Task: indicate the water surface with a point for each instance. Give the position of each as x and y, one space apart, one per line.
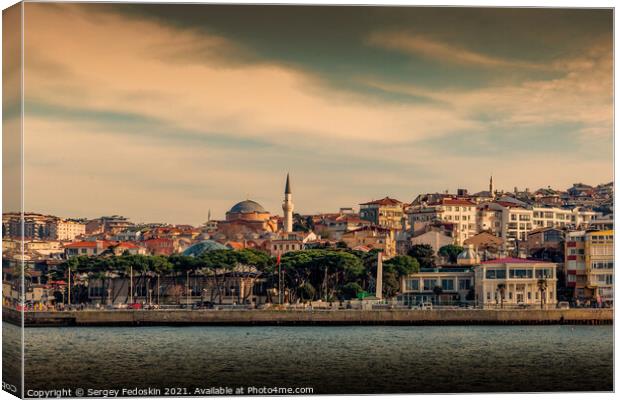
355 359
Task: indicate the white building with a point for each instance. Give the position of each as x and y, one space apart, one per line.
509 221
67 230
547 217
516 282
459 212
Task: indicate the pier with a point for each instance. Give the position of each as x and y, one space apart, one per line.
309 317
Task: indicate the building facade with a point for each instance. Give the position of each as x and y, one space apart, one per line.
461 213
513 282
372 237
387 212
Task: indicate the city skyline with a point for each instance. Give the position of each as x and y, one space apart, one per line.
186 109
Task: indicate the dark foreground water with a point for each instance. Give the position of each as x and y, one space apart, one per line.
364 359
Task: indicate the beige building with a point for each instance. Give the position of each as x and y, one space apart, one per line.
599 252
387 212
68 230
436 238
422 287
285 242
372 237
513 282
590 265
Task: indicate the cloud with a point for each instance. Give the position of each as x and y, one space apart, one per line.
420 45
131 116
580 94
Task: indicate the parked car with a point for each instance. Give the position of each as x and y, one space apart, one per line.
563 305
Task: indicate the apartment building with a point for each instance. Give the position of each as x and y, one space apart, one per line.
599 260
67 230
554 217
387 212
575 265
372 237
461 213
589 262
507 220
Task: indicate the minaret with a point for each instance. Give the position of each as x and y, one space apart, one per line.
287 207
491 188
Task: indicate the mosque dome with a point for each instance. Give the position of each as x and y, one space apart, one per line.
468 256
198 248
247 206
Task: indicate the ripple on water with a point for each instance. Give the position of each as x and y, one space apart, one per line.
357 359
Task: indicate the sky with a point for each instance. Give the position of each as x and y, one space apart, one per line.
163 112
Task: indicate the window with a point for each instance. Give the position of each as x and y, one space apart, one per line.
520 273
488 295
413 285
464 284
447 284
496 274
602 264
543 273
429 284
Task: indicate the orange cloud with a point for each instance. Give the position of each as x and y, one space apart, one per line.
426 47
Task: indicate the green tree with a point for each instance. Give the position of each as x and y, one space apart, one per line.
425 255
403 265
450 252
325 270
395 269
351 289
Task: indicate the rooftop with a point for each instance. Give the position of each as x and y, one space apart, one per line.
386 201
512 260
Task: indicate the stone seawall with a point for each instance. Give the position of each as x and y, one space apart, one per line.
315 317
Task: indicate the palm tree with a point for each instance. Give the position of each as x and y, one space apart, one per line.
501 289
542 288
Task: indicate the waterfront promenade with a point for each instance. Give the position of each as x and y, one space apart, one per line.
310 317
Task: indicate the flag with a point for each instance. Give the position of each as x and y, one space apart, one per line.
278 260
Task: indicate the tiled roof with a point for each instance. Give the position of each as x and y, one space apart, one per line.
458 202
386 201
81 244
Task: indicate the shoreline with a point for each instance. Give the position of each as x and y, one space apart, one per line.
139 318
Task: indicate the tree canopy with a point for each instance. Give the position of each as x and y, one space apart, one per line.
450 252
424 254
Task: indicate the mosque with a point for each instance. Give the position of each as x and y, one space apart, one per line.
249 220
